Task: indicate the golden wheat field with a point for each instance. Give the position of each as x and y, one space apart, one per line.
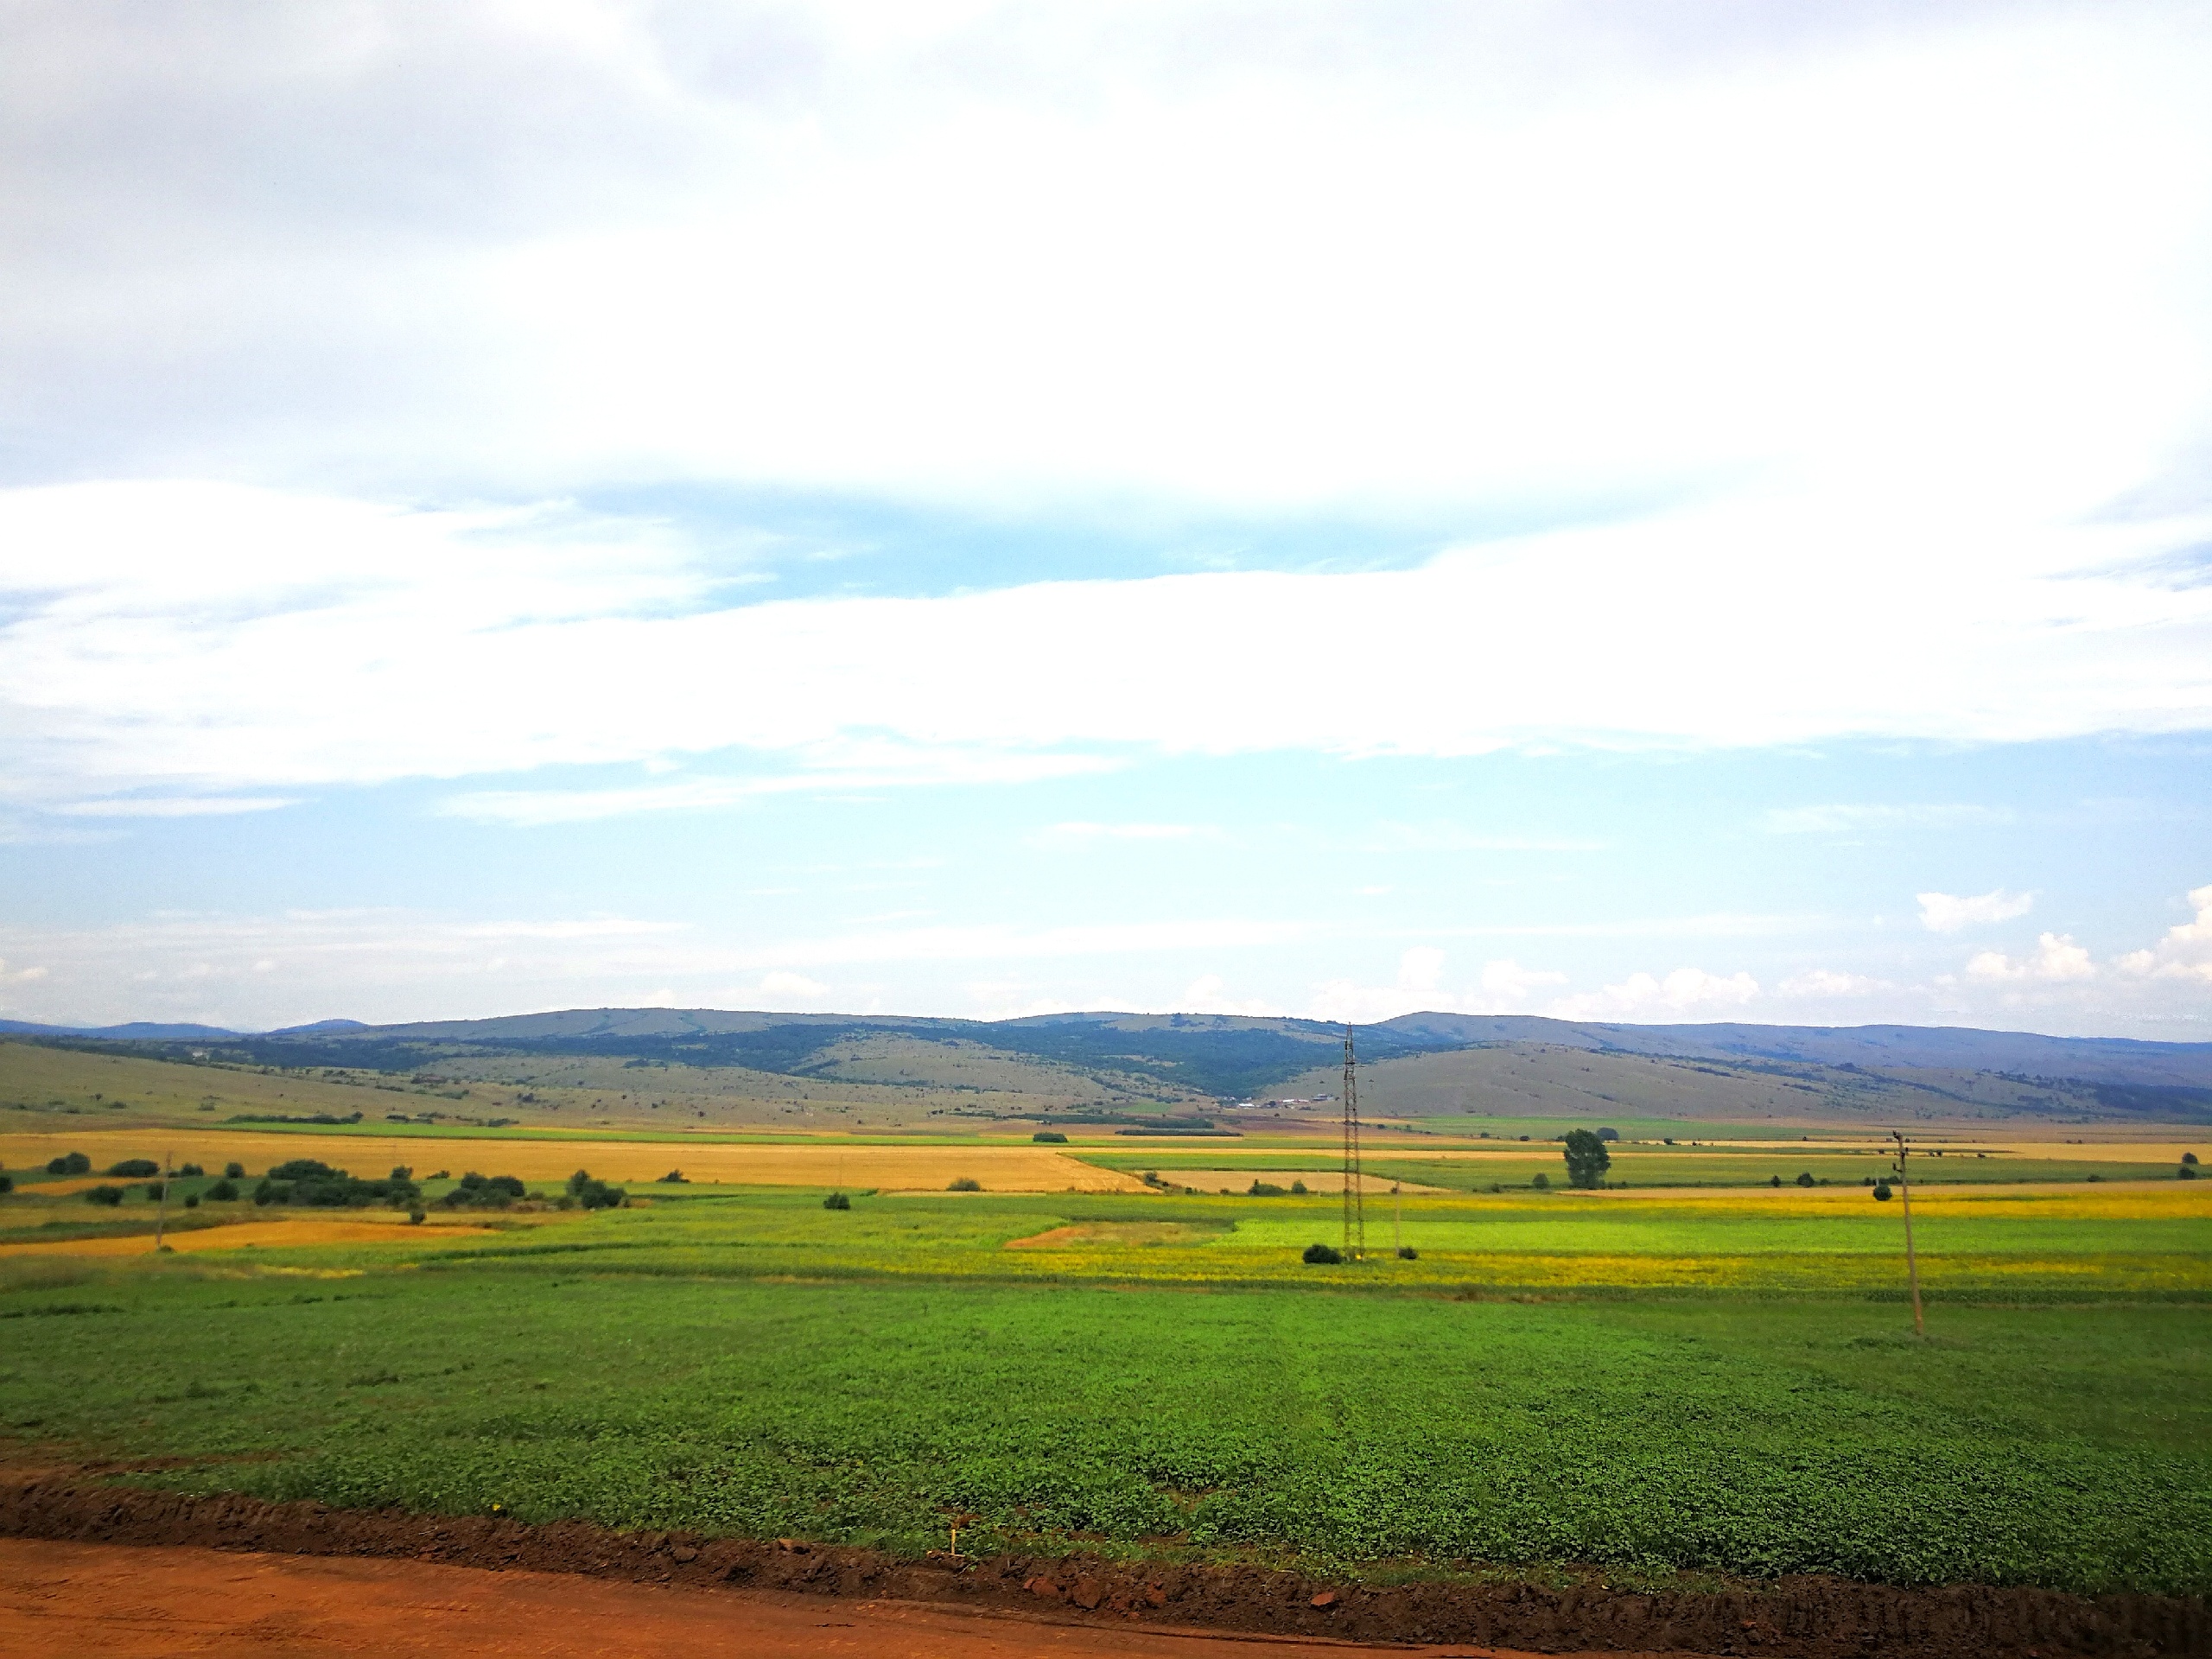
1000 1169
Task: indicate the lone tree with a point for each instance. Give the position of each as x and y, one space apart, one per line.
1587 1160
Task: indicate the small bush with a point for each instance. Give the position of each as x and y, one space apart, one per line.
963 1184
130 1168
415 1217
74 1163
1050 1137
595 1194
1298 1189
675 1177
484 1191
837 1201
1881 1192
1320 1255
2186 1173
1805 1178
234 1172
154 1192
1542 1183
1609 1135
1406 1253
1774 1180
7 1182
191 1170
2189 1158
104 1195
191 1200
224 1192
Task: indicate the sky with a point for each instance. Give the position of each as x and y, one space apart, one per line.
1676 512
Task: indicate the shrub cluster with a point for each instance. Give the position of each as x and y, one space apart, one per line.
594 1194
104 1195
1051 1137
837 1201
1266 1190
478 1191
135 1168
963 1184
1321 1255
74 1163
307 1181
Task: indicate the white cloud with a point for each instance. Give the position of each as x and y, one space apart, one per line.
1508 982
1643 996
1420 969
1024 262
1944 912
533 807
1849 819
305 656
174 806
685 241
1821 983
2055 957
389 965
2186 952
781 989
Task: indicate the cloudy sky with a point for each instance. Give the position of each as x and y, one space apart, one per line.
1658 512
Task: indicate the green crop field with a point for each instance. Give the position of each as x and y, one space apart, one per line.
1724 1384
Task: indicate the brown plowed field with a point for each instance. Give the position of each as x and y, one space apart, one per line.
228 1587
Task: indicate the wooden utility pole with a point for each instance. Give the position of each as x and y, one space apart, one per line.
161 1215
1911 1262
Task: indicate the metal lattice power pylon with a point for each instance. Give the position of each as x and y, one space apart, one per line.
1355 1200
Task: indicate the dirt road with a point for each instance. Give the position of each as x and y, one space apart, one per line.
169 1601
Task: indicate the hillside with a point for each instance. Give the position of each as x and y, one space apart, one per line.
710 1067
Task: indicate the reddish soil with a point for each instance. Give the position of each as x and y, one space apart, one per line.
152 1602
542 1605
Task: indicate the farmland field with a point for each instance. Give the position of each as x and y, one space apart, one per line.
1652 1381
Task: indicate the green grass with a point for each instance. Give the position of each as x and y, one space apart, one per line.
748 1363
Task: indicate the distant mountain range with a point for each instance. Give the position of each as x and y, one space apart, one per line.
149 1031
1418 1064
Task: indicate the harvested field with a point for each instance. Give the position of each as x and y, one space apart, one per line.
1329 1181
635 1163
675 1585
296 1232
1082 1234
